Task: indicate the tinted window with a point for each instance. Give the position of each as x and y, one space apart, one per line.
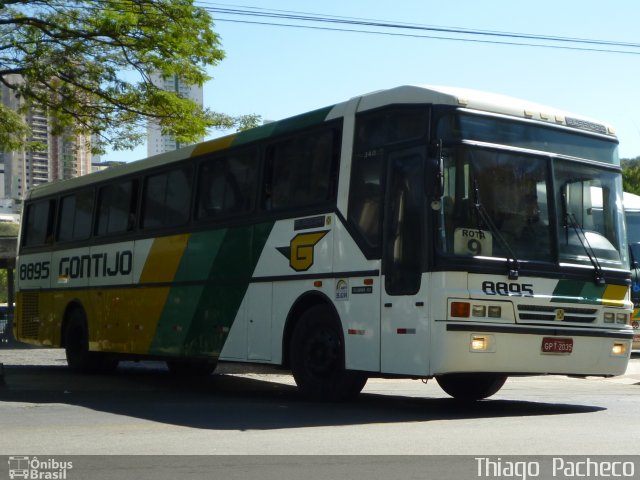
116 208
365 196
74 221
167 198
374 131
389 126
403 230
39 224
227 185
301 170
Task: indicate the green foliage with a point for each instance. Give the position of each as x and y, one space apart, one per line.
631 175
88 63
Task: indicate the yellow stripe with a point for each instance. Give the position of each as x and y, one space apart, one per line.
164 259
614 295
142 310
213 145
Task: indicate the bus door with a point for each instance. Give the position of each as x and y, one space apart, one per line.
404 327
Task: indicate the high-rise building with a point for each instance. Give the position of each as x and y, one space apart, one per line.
156 141
58 158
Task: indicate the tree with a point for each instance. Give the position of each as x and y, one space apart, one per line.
88 64
631 179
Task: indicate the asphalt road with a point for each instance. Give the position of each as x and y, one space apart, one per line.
45 409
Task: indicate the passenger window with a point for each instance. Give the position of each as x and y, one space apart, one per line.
74 221
117 208
167 199
301 170
38 228
227 186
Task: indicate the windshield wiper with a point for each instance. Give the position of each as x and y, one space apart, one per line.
571 219
513 265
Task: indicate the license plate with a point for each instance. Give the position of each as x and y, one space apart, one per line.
557 345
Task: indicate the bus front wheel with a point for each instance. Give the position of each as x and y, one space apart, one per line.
471 386
317 358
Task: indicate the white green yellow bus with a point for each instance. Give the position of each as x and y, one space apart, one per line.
422 232
632 216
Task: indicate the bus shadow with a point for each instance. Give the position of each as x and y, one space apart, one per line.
231 402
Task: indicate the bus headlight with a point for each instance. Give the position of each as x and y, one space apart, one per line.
619 349
622 318
478 310
482 343
609 317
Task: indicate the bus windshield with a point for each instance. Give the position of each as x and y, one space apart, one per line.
531 207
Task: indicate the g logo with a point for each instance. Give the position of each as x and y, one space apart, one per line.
301 250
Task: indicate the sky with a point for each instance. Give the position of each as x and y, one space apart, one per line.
277 72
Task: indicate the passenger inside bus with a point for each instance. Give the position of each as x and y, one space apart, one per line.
522 224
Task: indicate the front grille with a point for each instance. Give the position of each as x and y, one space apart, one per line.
30 322
545 313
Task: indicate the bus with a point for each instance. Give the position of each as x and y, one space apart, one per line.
420 232
632 217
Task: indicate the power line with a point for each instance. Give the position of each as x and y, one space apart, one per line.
380 27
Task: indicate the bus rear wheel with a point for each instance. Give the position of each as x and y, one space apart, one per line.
317 358
76 345
471 386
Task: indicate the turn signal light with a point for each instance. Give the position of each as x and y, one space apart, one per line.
460 309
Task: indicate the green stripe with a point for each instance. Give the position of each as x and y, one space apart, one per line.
298 122
197 319
572 291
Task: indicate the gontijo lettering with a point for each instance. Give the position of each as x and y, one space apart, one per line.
96 265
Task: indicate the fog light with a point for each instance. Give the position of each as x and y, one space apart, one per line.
619 349
460 309
479 343
609 317
495 311
622 318
479 311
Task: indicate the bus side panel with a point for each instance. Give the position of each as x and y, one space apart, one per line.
235 346
33 278
260 299
357 300
207 292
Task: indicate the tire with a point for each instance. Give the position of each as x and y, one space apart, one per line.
76 343
317 358
470 387
191 368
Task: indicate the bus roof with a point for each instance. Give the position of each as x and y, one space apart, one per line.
407 94
631 202
483 101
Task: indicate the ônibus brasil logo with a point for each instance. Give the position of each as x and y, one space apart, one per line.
36 469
